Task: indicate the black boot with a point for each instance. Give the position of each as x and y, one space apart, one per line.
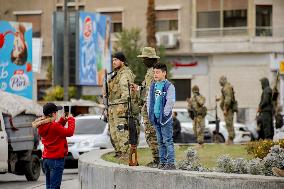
154 163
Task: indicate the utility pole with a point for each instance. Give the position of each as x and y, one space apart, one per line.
66 53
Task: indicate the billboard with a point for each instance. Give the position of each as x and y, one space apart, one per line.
16 58
94 47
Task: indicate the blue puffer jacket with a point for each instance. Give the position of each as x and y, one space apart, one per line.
167 103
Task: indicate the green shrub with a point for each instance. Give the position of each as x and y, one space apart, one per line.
56 93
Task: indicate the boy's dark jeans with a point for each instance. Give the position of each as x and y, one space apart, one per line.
53 169
165 141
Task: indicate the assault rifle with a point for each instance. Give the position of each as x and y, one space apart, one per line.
216 133
275 93
106 94
132 131
105 98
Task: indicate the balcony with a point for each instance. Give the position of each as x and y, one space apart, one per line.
238 40
218 32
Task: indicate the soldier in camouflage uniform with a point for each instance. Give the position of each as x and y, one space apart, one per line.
197 110
227 100
149 58
118 94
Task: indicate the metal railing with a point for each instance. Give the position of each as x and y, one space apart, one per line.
221 32
239 32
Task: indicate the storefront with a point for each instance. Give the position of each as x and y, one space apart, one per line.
184 69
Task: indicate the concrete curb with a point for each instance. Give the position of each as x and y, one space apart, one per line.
96 173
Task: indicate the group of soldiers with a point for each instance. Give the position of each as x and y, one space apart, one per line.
229 105
118 84
198 111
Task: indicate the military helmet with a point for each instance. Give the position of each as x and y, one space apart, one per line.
195 89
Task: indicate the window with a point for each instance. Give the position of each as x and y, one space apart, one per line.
263 20
116 21
183 87
235 18
227 17
208 13
208 19
35 19
71 8
81 8
167 20
59 8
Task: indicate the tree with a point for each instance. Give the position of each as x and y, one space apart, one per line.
151 24
56 93
129 43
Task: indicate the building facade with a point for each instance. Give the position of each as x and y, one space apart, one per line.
205 39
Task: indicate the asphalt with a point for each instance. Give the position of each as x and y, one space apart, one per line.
74 184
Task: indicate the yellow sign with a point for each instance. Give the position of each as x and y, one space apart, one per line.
281 67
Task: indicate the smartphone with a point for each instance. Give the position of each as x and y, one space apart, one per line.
66 110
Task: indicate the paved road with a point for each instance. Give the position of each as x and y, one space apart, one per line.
10 181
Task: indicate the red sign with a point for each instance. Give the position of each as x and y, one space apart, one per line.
177 63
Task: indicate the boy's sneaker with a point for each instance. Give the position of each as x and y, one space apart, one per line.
170 166
161 166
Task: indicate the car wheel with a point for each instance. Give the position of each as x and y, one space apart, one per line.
32 169
218 138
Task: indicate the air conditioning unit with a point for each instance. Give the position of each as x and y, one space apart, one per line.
167 39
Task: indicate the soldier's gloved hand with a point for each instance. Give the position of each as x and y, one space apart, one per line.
134 87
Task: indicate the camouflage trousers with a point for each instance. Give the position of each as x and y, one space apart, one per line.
198 129
150 133
120 137
111 126
229 120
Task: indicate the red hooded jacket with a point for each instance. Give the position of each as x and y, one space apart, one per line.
53 136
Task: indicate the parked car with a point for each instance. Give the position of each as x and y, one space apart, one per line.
252 127
278 134
91 133
241 131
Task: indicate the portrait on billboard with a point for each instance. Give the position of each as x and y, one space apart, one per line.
16 58
94 48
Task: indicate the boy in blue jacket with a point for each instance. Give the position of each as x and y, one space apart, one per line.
160 102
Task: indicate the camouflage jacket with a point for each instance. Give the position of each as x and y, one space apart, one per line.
196 104
149 78
227 97
118 90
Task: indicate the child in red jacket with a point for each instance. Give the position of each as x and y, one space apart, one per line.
53 136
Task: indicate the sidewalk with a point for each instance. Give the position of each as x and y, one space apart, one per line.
74 184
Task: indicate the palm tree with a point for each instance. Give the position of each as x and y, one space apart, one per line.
151 27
